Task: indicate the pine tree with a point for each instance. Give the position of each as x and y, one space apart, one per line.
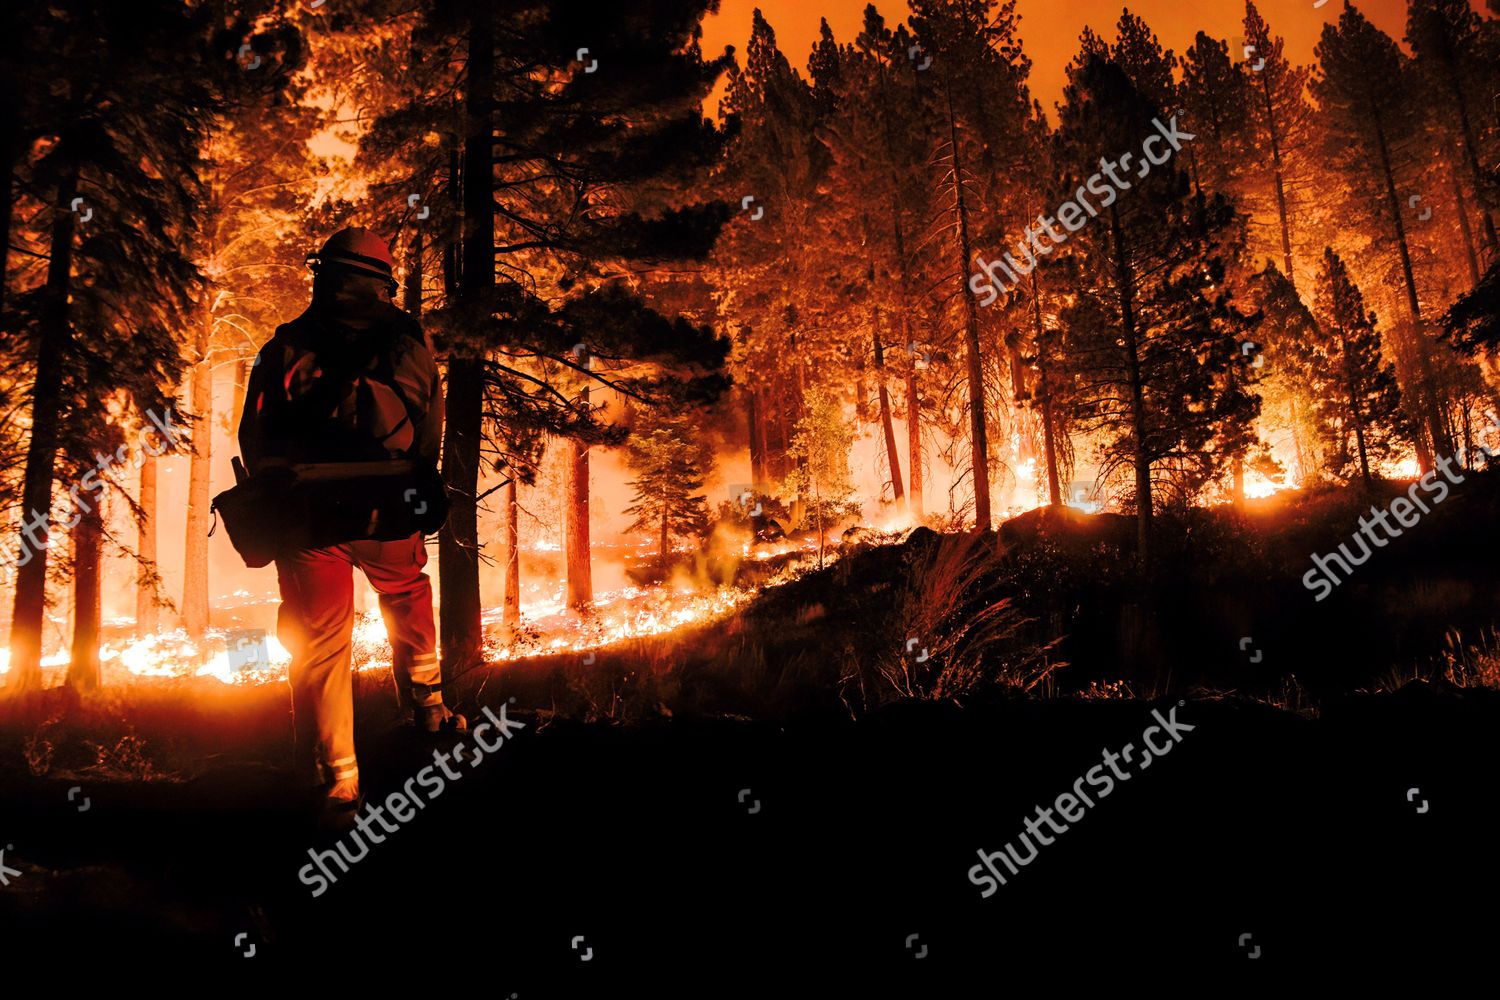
879 205
591 169
821 442
1444 36
770 294
257 180
982 110
1363 87
1151 335
1279 132
123 132
671 460
1356 387
1215 99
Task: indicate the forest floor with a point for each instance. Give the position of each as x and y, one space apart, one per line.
701 857
748 805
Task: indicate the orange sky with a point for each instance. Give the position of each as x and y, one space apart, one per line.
1050 28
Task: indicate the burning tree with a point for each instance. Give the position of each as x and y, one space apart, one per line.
257 182
1278 153
1144 335
981 108
116 148
1354 384
820 446
671 459
574 175
771 299
1363 87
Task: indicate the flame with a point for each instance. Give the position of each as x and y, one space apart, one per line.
614 616
550 627
1258 486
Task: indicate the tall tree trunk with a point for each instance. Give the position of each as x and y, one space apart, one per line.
453 249
913 415
757 431
83 669
1431 413
411 291
1237 460
241 385
1044 393
576 519
510 528
1355 414
460 627
9 154
1303 472
1476 174
41 452
1280 176
458 545
914 440
1137 392
799 501
898 493
147 611
195 542
978 443
1470 255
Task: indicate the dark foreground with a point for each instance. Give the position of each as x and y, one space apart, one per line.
845 861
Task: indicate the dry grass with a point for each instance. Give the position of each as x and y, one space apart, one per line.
953 605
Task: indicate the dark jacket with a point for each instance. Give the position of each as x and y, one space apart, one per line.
323 390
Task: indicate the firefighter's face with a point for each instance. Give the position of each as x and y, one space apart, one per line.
348 285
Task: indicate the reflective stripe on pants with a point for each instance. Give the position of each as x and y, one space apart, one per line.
315 623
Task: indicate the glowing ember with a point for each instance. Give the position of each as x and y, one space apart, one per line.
548 628
615 616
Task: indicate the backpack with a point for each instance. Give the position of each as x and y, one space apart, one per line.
364 494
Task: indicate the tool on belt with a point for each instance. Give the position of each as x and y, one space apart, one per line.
292 506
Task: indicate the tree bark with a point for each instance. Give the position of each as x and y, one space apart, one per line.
892 456
1438 442
83 668
1470 255
757 432
510 527
1044 394
460 626
978 443
41 452
1275 132
195 542
1137 393
1476 174
1355 414
10 153
576 519
147 610
914 440
458 545
411 291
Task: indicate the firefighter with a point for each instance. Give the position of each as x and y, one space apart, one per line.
352 379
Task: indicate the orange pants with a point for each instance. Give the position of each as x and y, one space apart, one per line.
316 623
